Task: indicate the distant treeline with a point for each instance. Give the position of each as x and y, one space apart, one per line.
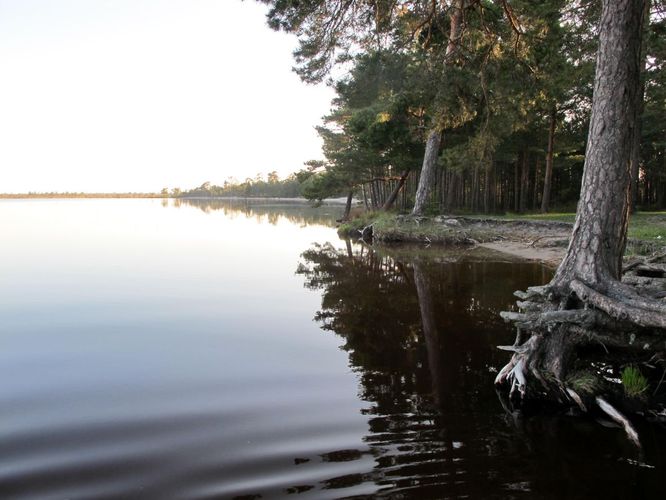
269 187
79 195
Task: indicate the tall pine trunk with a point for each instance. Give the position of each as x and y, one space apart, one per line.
548 177
428 170
600 231
390 201
636 142
516 186
535 194
348 204
488 193
451 192
429 167
592 266
524 180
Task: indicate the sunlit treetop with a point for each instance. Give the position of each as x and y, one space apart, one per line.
333 31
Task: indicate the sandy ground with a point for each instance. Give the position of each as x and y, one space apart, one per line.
551 256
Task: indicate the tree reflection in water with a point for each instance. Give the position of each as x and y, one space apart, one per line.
265 210
420 330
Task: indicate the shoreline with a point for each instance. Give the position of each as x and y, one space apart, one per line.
74 196
533 240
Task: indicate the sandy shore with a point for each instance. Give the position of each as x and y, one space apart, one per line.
550 256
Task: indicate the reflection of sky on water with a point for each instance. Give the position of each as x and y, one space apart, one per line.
101 253
151 351
118 314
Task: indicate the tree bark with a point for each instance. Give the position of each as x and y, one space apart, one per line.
535 193
348 205
433 142
365 197
427 172
451 191
548 177
488 191
390 201
373 194
475 190
524 181
636 142
516 186
599 235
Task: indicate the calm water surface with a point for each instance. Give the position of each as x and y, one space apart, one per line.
201 350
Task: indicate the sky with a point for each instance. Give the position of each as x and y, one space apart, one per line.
137 95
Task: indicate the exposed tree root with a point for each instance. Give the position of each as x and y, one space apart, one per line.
585 317
636 296
577 399
641 312
632 266
609 410
585 330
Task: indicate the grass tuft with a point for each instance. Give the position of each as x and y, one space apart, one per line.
633 381
584 382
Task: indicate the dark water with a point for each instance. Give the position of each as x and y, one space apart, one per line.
218 351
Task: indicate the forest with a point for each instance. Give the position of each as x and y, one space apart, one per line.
505 86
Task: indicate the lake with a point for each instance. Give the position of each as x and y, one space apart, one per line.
198 349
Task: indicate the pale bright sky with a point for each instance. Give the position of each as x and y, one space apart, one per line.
136 95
